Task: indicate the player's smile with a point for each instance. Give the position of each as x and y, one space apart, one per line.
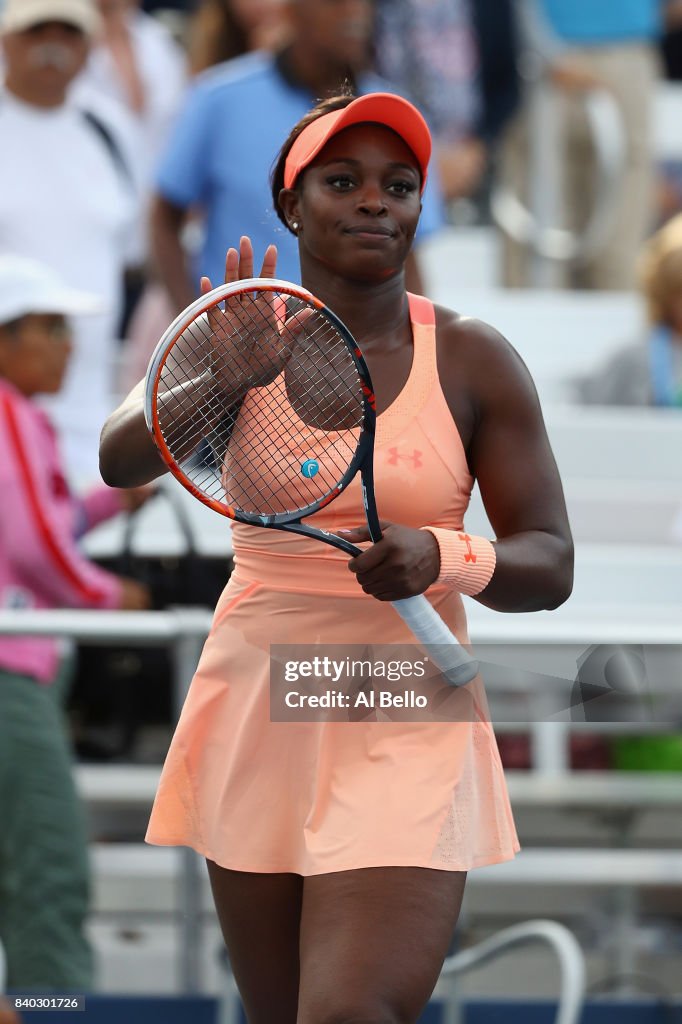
373 232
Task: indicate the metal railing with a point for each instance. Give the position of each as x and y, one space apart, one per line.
560 939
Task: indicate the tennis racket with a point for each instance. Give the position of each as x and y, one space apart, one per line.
261 405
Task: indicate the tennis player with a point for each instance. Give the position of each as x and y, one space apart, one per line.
338 851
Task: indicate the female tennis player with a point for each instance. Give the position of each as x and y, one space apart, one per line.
338 851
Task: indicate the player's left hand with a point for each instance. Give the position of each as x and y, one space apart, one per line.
405 562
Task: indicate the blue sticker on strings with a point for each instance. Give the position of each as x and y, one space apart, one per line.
310 468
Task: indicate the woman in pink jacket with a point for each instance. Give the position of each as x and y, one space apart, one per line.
43 861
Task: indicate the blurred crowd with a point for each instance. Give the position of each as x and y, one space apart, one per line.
137 139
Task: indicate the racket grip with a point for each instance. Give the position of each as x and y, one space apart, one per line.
450 657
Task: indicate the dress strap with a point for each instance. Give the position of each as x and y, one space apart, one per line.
422 382
421 310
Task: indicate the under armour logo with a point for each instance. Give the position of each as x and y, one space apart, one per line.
470 556
394 457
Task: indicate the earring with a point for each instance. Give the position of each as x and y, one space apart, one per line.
294 225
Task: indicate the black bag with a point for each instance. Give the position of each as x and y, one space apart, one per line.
118 689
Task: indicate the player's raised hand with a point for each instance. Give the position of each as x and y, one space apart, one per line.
249 347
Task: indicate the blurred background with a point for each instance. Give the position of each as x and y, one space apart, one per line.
554 213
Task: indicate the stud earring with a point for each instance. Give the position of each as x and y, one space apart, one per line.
294 225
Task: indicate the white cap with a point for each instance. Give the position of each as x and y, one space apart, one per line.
18 15
27 286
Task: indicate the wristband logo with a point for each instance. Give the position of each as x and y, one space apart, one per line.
470 556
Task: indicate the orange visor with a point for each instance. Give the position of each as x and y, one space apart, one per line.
376 107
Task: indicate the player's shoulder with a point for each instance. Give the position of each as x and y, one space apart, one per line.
478 345
459 328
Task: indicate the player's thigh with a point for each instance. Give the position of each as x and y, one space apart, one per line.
259 917
373 942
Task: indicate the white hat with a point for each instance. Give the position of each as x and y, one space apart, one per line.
18 15
27 286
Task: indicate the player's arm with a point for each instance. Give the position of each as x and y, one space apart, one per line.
127 455
510 456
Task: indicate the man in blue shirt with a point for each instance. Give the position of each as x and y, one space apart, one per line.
587 45
234 122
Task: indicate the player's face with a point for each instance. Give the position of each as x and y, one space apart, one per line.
34 353
43 60
360 203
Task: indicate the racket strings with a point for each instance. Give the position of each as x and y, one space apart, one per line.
306 388
262 405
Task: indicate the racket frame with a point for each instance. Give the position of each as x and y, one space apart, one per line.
362 459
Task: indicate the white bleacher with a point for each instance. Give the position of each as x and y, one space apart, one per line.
622 474
131 878
667 120
559 334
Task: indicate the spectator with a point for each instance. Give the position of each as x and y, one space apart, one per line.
183 7
136 63
649 372
43 861
66 195
231 128
457 60
219 31
670 160
671 43
582 46
224 29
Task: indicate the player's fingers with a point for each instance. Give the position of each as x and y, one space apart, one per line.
368 560
205 285
231 266
269 262
295 324
245 257
378 590
357 534
360 533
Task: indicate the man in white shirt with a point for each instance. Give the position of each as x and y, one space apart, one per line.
136 63
67 196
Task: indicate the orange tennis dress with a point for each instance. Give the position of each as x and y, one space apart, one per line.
312 797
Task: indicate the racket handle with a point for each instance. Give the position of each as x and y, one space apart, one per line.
450 657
